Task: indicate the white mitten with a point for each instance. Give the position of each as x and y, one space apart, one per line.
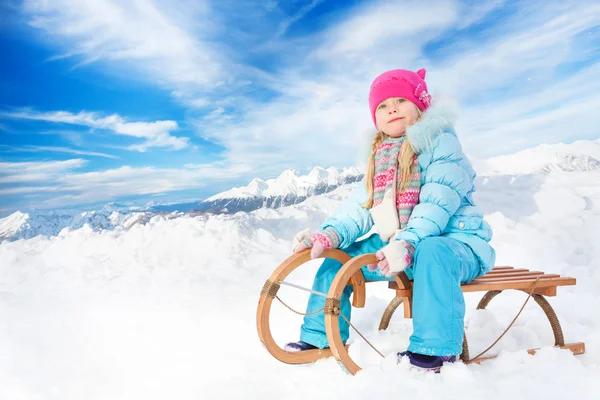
395 257
299 238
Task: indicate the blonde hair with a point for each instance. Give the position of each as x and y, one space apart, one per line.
406 162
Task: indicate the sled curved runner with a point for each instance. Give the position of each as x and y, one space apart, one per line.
269 292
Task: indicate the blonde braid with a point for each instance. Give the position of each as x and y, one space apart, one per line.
406 162
370 173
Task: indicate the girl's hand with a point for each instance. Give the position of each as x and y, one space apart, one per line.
299 239
317 242
393 258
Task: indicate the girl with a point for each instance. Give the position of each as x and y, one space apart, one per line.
417 192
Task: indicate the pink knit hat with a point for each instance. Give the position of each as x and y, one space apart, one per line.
400 83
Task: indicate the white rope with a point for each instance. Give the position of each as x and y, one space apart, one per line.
303 288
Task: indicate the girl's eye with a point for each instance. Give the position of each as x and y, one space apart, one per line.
400 100
381 106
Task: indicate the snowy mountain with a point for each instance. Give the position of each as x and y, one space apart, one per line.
582 155
285 190
33 223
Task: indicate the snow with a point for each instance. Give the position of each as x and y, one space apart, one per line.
167 309
581 155
49 223
11 224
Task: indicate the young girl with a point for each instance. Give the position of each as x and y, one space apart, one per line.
417 191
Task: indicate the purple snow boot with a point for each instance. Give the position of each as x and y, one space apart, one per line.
427 363
298 346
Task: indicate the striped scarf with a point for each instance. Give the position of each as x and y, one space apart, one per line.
386 165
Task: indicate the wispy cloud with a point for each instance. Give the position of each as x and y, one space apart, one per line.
152 35
383 25
546 38
39 171
54 149
37 189
157 133
473 11
562 111
69 187
285 24
72 136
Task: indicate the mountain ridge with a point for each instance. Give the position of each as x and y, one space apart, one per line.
287 189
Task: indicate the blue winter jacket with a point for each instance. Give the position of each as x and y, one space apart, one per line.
445 207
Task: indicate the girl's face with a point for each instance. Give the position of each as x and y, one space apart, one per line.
394 115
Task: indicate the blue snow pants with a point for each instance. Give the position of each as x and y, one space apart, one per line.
440 266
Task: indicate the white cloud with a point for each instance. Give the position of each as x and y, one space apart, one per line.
179 45
27 189
74 137
39 171
284 25
157 133
55 149
69 187
563 111
511 55
387 26
151 35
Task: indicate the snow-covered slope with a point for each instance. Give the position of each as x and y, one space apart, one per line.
167 309
582 155
33 223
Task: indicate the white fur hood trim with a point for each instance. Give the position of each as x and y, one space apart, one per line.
438 118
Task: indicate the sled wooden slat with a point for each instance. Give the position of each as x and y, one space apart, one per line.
521 284
509 275
506 271
503 278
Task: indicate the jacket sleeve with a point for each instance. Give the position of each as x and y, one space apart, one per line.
351 220
446 182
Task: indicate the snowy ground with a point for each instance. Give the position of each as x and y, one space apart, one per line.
167 310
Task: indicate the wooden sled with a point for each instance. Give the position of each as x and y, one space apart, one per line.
494 282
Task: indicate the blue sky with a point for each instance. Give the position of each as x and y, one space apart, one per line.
140 100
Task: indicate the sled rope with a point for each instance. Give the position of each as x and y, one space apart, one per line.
361 335
303 288
298 312
332 306
509 326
